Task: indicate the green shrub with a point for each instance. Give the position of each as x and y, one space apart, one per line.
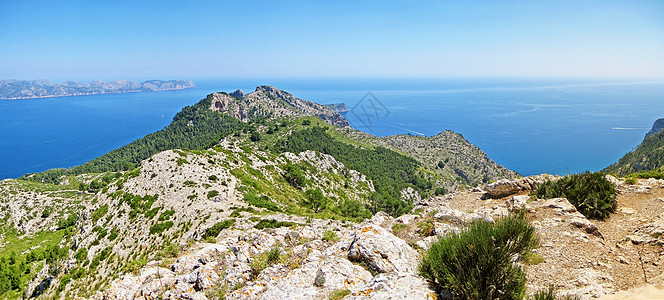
270 223
630 180
478 262
330 236
315 200
262 201
398 227
70 221
47 212
113 235
63 283
353 209
99 213
160 227
648 174
166 215
235 214
214 231
590 193
81 255
212 194
551 293
294 174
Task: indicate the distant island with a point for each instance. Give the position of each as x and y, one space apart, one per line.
29 89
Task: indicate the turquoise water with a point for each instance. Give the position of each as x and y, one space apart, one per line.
531 126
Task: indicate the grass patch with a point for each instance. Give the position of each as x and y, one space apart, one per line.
338 294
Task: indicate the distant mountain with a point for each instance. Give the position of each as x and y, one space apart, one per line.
648 156
29 89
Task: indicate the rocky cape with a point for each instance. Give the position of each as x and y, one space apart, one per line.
648 156
26 89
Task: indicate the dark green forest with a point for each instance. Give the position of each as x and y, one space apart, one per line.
390 171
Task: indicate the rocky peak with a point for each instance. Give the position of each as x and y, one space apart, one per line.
268 101
237 94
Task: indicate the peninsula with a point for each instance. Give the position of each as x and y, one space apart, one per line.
29 89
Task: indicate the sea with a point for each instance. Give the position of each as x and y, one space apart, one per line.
532 126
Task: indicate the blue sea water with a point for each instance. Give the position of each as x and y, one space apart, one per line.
530 126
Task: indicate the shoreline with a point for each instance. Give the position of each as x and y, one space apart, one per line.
88 94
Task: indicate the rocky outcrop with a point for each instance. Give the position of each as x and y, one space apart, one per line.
656 127
506 187
324 268
271 102
23 89
338 107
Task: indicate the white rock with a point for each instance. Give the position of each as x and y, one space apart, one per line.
382 250
393 286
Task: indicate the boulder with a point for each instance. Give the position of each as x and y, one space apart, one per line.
382 250
501 188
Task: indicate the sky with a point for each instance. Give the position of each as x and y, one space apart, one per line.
88 40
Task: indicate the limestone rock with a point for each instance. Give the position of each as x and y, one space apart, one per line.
393 286
501 188
382 250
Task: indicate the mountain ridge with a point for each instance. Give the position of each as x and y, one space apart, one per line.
13 89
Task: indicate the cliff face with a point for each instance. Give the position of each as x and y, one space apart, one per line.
270 102
656 127
23 89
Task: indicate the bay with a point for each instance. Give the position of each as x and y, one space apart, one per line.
531 126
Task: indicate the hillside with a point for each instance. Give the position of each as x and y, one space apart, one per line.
256 171
648 156
26 89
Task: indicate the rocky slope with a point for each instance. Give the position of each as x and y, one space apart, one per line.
24 89
268 101
455 162
378 258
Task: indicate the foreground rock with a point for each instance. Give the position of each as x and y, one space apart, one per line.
367 260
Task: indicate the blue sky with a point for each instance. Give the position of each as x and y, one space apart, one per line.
85 40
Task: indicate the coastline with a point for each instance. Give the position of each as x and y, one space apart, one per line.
88 94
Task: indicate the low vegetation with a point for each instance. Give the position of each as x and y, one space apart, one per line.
590 193
478 262
214 231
